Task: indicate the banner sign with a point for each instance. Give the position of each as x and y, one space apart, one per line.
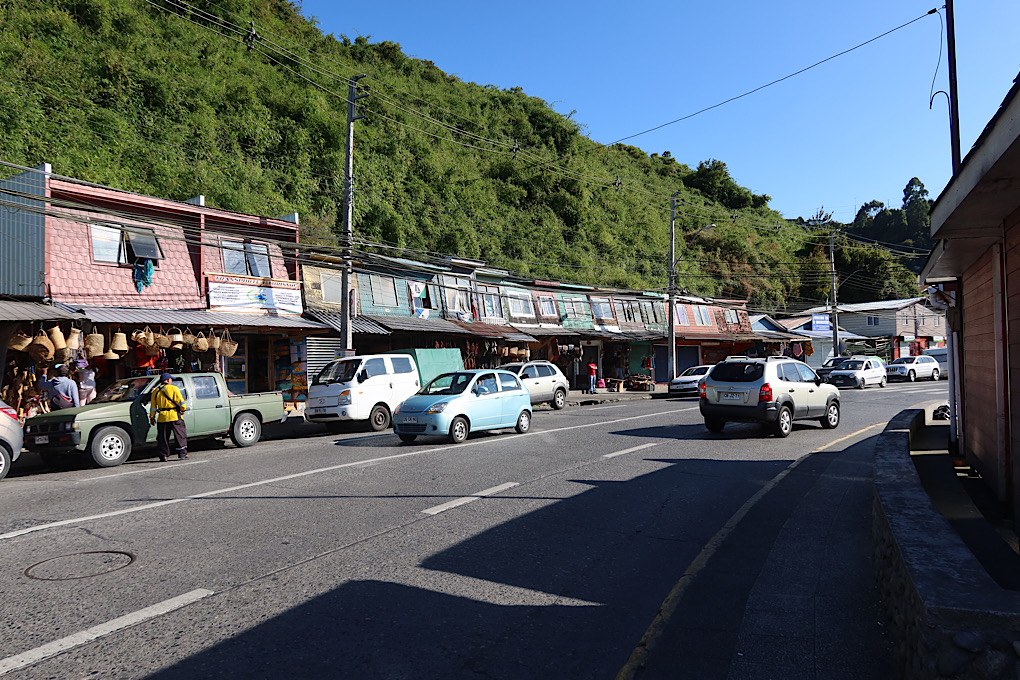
253 295
821 322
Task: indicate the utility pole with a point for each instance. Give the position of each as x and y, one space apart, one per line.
346 307
954 102
671 363
835 314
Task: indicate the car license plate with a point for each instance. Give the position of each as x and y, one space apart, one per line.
317 411
410 420
730 396
42 440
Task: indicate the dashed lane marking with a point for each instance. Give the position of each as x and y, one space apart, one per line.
435 510
630 450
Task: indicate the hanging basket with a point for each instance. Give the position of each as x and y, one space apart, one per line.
161 339
110 355
119 342
93 345
175 335
227 345
201 343
177 345
74 338
146 337
214 340
152 350
63 356
188 338
19 342
57 338
41 347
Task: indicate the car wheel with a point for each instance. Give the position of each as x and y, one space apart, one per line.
523 422
784 423
882 382
910 376
459 430
559 399
379 419
714 424
935 374
247 430
110 447
860 384
831 419
407 438
5 462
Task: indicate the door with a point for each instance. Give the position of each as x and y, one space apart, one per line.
485 403
404 378
791 383
816 395
209 406
511 391
535 384
375 386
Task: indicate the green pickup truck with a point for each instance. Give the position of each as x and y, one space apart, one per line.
117 420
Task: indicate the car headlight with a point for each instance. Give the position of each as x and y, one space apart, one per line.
345 398
438 408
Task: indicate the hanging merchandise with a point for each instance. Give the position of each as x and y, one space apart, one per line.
57 338
74 339
214 340
19 342
175 335
147 337
93 345
41 347
161 338
227 345
119 342
188 338
143 272
201 343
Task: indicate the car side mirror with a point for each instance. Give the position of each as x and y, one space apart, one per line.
363 376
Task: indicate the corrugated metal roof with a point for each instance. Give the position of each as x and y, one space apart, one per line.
359 324
11 310
415 325
866 306
490 330
538 332
193 317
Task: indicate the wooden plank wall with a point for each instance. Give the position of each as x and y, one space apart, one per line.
1012 289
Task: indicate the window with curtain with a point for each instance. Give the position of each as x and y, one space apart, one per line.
547 306
384 290
520 304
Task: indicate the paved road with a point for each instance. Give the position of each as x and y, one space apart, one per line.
513 556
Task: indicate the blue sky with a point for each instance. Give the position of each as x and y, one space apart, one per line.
851 130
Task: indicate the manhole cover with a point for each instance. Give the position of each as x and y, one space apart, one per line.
80 565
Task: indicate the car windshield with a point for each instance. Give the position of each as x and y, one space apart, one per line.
123 390
448 383
695 370
832 363
904 360
341 371
851 365
734 371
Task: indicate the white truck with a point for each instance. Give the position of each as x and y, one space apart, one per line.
369 387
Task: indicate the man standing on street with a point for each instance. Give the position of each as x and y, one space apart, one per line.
63 391
165 409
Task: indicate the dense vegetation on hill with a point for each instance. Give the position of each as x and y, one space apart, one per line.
176 99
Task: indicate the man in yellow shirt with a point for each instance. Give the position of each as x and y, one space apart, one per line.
165 407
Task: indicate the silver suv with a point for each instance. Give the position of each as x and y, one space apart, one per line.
10 438
544 381
773 391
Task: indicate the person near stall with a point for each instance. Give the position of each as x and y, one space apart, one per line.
593 371
165 409
86 384
62 390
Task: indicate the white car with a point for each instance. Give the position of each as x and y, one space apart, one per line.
914 368
687 382
859 372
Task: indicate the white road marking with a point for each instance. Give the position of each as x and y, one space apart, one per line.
600 408
138 472
630 450
306 473
13 663
435 510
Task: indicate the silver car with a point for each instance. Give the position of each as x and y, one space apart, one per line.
10 438
914 368
544 380
687 382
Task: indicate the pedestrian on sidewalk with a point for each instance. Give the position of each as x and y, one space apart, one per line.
63 391
593 371
165 409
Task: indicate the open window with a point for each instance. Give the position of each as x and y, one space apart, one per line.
116 244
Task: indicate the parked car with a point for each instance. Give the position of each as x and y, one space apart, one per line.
941 355
829 366
687 381
10 438
370 387
859 372
543 380
913 368
454 404
774 391
117 420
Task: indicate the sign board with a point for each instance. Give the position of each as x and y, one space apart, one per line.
253 295
821 322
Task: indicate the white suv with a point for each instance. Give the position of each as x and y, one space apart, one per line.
912 368
544 380
859 372
774 391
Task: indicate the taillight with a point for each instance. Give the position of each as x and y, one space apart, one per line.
765 393
9 411
702 391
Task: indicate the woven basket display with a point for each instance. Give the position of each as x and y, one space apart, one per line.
147 338
214 340
19 342
227 345
188 338
74 338
93 345
201 343
119 342
175 335
152 350
41 347
57 338
161 339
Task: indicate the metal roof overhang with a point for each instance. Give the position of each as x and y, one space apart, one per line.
488 330
545 332
415 324
359 324
11 310
195 317
777 336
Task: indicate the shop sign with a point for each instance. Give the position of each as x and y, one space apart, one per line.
821 322
236 293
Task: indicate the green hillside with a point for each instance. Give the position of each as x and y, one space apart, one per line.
174 99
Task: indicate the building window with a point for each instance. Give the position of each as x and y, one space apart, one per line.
652 312
423 295
115 245
731 316
575 308
520 304
872 320
702 316
384 290
332 288
681 316
246 258
547 306
601 309
490 306
458 295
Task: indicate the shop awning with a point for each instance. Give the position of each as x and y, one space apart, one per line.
149 316
488 330
11 310
359 324
538 332
779 336
413 324
642 335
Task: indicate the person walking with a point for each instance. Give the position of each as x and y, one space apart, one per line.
63 391
86 384
165 409
593 371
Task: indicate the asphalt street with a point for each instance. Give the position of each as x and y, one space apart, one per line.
549 554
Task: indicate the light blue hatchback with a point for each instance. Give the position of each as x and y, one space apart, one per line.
454 404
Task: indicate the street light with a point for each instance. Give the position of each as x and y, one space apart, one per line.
672 282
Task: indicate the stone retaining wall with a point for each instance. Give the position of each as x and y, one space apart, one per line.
947 617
